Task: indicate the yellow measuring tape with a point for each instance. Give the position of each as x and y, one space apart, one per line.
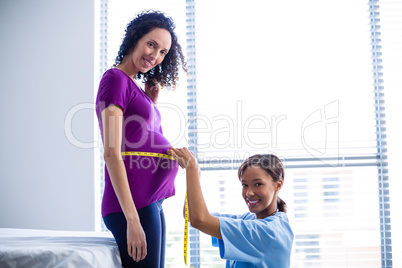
185 203
185 230
149 154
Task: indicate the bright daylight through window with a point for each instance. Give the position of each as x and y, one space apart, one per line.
304 80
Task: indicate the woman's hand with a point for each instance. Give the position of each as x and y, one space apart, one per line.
152 90
136 242
184 157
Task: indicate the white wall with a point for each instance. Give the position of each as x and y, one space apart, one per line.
47 68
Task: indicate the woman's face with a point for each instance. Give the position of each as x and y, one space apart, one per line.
150 50
259 191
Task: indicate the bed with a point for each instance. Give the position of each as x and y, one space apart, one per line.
57 249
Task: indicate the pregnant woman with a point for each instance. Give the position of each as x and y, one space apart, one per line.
136 185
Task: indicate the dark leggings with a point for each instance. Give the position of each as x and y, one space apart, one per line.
153 222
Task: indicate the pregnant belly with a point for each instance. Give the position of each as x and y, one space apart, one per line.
152 142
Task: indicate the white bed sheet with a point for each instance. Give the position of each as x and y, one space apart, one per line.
57 249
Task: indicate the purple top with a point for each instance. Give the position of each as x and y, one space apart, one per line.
150 178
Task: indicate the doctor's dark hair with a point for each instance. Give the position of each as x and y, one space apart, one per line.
167 72
272 166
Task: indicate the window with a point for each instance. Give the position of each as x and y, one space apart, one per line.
309 81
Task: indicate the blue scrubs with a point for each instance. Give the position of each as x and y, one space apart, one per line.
250 242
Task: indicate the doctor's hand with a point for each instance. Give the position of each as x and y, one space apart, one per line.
184 157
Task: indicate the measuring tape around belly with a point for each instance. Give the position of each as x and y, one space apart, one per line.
185 203
148 154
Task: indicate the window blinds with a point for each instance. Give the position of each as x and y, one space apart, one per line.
309 81
389 38
296 79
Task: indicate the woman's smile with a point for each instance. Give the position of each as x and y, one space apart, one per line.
253 203
148 63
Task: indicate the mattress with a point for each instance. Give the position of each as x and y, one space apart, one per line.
61 249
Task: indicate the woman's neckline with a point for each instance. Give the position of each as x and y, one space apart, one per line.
135 83
115 68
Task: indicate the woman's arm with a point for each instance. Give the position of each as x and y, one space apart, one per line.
112 121
152 90
199 216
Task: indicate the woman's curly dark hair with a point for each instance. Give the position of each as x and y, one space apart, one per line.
167 72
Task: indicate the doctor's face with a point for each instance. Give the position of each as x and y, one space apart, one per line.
259 191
